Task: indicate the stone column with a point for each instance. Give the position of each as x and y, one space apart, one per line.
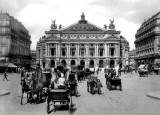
67 50
97 50
56 50
78 51
105 50
108 50
46 52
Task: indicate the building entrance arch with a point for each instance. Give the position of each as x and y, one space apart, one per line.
52 63
112 63
82 62
91 64
73 62
101 64
63 62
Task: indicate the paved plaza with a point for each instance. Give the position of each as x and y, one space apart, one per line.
132 100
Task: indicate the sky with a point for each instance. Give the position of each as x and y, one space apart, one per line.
37 15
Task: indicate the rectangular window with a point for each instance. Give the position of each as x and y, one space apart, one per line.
100 52
63 52
92 52
112 51
3 50
53 51
73 52
82 52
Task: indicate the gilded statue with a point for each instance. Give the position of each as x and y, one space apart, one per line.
111 25
54 25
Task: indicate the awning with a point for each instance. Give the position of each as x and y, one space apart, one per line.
157 61
9 65
12 65
141 66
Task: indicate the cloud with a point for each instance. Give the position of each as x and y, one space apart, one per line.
132 10
36 15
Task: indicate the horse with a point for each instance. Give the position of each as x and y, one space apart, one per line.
80 76
36 88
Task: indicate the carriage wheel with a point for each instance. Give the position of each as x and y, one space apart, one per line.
109 86
120 87
48 108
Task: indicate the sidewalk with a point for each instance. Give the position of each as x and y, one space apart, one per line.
155 95
4 85
4 92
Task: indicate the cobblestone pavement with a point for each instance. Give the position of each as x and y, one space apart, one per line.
133 100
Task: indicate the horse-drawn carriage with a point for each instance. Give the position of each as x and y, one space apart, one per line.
58 98
88 73
143 70
93 85
35 86
113 81
62 94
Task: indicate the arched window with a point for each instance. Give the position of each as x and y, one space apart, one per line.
52 63
101 65
82 62
91 64
63 62
73 62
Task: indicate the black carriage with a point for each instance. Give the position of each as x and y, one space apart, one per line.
88 73
143 70
72 85
113 83
57 98
92 85
38 86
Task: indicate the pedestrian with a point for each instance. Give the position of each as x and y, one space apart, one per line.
99 86
119 72
5 76
97 71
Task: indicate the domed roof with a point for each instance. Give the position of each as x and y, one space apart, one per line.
83 25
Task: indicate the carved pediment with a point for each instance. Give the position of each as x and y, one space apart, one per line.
112 37
52 37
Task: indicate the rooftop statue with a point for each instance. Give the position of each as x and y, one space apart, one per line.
105 26
54 25
60 27
111 25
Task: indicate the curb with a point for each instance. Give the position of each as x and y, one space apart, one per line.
4 92
155 95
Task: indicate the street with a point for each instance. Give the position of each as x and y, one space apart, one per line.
132 100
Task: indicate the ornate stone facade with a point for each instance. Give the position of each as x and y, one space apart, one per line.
15 41
83 43
147 41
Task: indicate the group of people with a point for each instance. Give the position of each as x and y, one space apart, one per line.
60 80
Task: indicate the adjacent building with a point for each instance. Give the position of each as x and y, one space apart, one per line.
83 43
132 55
14 41
147 41
33 59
